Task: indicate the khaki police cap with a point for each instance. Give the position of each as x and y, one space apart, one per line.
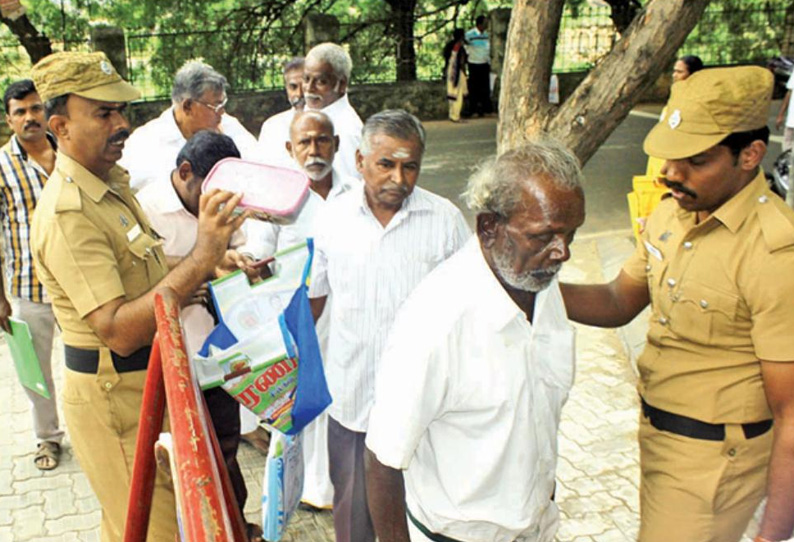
90 75
708 106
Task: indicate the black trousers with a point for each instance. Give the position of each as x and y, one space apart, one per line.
225 414
480 89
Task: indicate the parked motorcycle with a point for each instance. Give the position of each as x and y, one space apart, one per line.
779 178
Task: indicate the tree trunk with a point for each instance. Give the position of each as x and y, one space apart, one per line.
35 43
405 17
529 54
610 90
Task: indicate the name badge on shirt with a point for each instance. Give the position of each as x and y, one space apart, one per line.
653 250
134 232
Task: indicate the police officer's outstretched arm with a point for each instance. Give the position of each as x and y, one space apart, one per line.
606 305
125 326
778 520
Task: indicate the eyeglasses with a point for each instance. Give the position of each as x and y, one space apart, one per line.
215 108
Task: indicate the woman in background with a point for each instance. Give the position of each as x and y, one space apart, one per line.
455 74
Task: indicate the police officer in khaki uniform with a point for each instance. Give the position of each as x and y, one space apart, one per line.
715 264
100 260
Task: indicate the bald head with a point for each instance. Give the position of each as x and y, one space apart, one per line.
313 144
318 119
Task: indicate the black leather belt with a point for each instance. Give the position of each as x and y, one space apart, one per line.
435 537
692 428
87 361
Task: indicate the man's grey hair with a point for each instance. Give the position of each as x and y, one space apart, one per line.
396 123
294 64
335 55
195 78
496 185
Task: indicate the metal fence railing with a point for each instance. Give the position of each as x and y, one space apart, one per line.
252 57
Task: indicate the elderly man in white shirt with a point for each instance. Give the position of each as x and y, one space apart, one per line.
275 132
312 146
326 76
374 244
172 207
199 101
462 441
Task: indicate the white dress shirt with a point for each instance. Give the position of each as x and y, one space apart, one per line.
468 403
179 230
273 139
347 125
150 152
370 270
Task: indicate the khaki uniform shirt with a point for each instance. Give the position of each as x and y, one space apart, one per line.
721 300
91 244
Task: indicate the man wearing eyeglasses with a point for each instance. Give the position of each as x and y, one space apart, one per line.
199 101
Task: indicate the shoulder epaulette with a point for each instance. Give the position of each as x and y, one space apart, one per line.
777 222
69 198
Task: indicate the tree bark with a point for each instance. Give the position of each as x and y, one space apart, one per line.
529 54
36 44
610 90
405 16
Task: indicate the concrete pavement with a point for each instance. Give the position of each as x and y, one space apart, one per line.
597 472
598 467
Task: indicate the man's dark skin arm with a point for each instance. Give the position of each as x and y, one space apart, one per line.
126 326
318 306
778 520
606 305
386 499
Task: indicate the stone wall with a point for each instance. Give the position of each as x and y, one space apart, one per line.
425 99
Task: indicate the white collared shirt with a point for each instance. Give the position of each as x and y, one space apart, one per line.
264 239
273 139
468 403
150 152
179 230
370 270
347 125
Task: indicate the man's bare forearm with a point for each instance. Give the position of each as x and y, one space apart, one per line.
605 305
778 520
386 498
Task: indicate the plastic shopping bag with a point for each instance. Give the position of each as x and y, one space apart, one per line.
282 485
264 352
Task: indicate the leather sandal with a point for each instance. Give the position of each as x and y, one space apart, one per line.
48 455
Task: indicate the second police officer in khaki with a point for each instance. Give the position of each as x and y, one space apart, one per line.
100 260
715 264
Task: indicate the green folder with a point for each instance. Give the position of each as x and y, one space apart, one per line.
20 343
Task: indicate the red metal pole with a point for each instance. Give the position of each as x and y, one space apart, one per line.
238 521
204 515
143 470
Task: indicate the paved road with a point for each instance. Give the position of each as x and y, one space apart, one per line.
598 470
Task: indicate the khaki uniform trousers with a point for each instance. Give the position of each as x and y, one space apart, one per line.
702 490
102 412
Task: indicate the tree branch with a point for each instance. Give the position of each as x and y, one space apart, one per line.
614 86
36 44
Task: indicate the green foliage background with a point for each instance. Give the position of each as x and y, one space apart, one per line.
249 40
